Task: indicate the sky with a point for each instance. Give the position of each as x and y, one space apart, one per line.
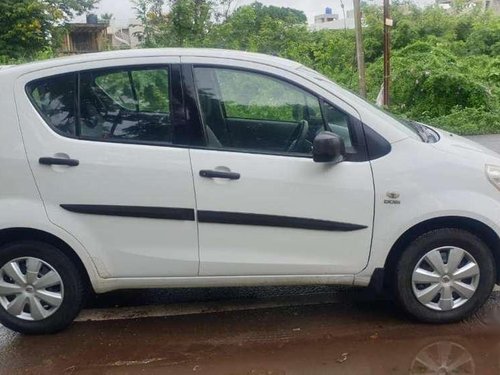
122 10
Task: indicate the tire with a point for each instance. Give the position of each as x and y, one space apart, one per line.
446 307
68 289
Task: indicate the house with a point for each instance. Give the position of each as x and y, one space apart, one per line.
124 37
85 37
332 21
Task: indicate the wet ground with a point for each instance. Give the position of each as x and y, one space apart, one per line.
257 331
352 333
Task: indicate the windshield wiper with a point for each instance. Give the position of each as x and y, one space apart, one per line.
419 129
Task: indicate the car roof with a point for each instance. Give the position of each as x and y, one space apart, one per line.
157 52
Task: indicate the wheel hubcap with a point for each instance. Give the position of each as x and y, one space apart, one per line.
445 278
30 289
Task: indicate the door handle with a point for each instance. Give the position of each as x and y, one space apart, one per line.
220 174
59 161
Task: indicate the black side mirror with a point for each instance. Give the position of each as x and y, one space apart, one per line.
328 148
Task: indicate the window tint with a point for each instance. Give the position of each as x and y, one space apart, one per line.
125 104
152 90
254 112
117 86
55 100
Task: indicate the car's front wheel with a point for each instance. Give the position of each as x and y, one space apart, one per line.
41 290
444 276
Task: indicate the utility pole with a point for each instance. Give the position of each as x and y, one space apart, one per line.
360 54
387 52
343 11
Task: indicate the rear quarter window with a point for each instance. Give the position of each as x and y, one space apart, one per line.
55 100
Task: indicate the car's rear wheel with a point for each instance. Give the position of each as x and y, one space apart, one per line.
41 290
444 276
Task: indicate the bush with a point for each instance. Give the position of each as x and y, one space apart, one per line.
469 121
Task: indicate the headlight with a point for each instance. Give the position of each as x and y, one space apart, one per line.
493 174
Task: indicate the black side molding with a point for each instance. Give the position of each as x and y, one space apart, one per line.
165 213
239 218
214 217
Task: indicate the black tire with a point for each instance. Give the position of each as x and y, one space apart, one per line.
74 288
432 240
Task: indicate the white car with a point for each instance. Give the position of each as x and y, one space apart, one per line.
205 168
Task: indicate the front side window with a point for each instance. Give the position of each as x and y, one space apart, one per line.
248 111
338 123
131 104
254 112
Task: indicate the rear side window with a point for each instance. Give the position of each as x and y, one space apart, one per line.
55 99
131 104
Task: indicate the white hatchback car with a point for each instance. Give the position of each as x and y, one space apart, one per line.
205 168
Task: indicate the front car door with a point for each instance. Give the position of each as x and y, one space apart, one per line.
264 207
130 199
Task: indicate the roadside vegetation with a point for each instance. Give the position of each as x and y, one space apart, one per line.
445 64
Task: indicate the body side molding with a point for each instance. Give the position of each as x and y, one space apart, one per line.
214 217
238 218
166 213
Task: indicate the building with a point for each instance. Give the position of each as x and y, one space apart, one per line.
493 5
124 37
329 16
85 37
332 21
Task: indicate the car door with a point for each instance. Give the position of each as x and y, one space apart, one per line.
263 206
101 145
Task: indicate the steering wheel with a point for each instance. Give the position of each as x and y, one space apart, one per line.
298 136
116 122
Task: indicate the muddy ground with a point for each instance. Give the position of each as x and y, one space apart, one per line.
352 333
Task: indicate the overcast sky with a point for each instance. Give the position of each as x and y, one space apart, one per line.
122 10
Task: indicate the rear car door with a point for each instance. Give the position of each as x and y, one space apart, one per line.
101 144
264 207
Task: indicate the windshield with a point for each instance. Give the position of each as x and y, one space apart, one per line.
412 129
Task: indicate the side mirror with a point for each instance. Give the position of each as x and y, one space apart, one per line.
328 148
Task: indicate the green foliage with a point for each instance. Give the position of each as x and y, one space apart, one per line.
445 64
66 9
29 28
143 90
469 121
261 98
23 29
260 28
446 70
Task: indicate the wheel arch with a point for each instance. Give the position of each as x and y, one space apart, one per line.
22 234
478 228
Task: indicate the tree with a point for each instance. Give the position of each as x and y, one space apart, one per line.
64 10
185 24
28 27
106 18
189 22
24 28
260 28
